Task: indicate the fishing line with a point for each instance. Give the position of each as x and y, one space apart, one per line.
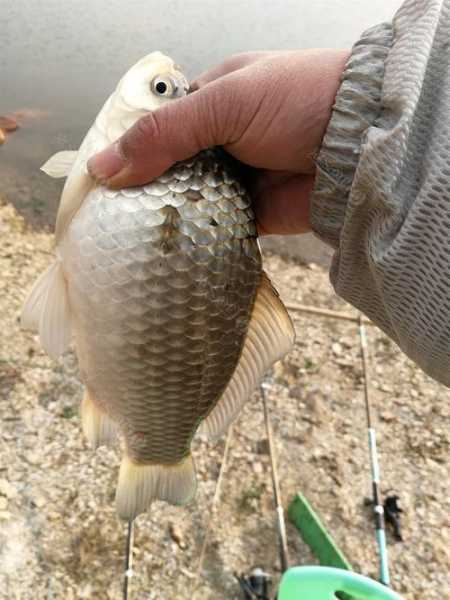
213 504
378 510
284 555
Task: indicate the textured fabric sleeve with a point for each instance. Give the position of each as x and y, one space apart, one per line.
382 193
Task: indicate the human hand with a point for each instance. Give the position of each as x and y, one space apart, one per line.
270 110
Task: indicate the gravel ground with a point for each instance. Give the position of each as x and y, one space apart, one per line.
60 538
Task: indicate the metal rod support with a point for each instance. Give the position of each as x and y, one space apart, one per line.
128 559
325 312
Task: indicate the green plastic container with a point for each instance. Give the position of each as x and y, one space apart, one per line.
322 583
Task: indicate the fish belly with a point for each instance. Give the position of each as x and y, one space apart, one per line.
161 282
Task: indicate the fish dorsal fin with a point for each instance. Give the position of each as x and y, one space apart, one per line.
269 337
60 164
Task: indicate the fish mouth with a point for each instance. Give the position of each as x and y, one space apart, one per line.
180 85
192 88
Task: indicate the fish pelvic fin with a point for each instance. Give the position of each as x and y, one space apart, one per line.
140 484
60 164
47 311
270 336
98 427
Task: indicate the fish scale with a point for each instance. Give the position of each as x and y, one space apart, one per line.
206 358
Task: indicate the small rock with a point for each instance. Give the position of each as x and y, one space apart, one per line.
257 468
3 503
7 489
262 446
441 552
316 406
32 458
348 363
336 349
85 591
296 391
38 501
347 342
177 535
387 416
384 387
5 515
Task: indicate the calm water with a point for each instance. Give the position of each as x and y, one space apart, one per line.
65 57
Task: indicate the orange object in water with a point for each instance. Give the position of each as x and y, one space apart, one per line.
8 124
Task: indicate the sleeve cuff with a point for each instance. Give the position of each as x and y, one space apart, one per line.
357 106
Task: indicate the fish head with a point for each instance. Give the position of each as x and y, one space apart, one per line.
151 82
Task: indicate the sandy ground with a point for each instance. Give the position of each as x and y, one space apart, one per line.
60 538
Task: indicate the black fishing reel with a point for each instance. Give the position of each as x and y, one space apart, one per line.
256 585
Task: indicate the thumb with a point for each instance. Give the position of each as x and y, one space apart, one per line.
176 131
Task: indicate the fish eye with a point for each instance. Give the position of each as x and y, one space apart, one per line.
162 86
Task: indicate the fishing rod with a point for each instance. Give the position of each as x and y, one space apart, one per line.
128 559
256 585
378 510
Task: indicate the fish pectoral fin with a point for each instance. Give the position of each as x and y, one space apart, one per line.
140 484
98 427
77 187
47 311
60 164
270 336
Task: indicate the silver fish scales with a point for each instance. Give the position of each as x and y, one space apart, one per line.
163 277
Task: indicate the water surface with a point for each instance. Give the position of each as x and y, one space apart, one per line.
66 57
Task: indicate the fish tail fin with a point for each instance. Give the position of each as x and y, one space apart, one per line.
98 427
47 310
140 484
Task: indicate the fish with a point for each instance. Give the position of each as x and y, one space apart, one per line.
161 289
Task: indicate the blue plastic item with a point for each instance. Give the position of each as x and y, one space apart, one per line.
322 583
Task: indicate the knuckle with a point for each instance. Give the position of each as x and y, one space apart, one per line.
211 110
143 132
242 59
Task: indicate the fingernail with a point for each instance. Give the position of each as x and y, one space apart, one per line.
106 163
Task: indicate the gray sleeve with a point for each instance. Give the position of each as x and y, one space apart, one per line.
382 193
